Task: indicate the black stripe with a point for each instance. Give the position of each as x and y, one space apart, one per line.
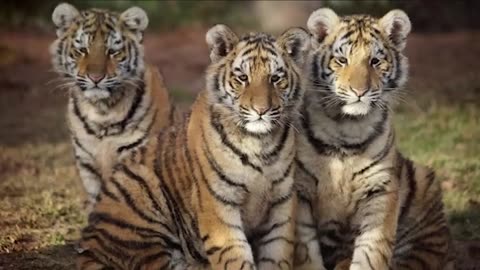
421 222
368 260
76 111
378 128
131 203
225 266
205 238
157 167
139 93
271 51
302 167
97 217
274 239
217 168
105 191
284 176
297 91
278 148
135 56
140 140
146 188
302 198
378 158
412 187
430 177
171 114
79 145
179 212
283 199
218 197
220 129
266 231
393 82
153 257
91 170
190 167
111 249
348 34
417 258
320 147
99 254
227 249
228 224
212 250
315 67
128 244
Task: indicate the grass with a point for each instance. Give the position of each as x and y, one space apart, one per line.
39 206
446 138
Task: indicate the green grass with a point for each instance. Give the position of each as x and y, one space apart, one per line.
446 137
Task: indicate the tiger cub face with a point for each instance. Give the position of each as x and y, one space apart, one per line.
357 62
256 78
98 51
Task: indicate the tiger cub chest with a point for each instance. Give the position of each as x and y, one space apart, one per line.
256 202
345 183
266 188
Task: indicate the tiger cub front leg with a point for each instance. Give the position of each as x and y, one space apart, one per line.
307 246
224 240
376 220
274 244
91 180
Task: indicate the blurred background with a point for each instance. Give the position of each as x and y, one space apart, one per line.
438 119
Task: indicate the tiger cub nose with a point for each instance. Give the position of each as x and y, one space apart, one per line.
359 92
96 77
261 110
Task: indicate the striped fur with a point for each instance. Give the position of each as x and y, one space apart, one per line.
119 112
369 206
212 192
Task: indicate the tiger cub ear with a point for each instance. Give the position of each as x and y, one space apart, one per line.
296 42
221 40
321 23
63 16
135 19
396 26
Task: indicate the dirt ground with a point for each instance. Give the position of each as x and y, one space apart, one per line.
40 194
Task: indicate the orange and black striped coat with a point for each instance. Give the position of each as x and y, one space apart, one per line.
362 204
214 191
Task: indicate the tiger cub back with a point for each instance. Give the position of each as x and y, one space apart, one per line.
116 100
369 206
217 191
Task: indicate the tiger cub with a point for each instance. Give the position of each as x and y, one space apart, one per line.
218 192
116 101
371 207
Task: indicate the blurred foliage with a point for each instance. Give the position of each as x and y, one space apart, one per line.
426 15
162 14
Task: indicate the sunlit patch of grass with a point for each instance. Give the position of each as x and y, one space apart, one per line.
39 202
446 137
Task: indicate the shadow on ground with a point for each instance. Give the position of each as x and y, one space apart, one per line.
50 258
